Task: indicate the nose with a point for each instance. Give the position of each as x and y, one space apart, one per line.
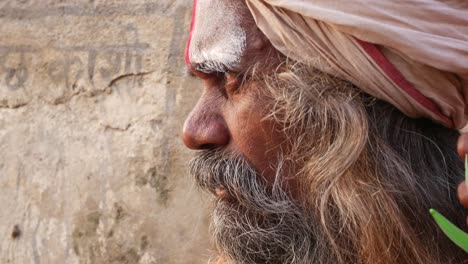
205 128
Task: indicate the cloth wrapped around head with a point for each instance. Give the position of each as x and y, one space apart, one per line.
412 54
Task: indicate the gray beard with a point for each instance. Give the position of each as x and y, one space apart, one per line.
258 224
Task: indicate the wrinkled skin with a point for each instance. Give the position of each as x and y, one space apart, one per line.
230 115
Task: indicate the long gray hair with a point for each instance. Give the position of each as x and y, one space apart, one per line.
369 176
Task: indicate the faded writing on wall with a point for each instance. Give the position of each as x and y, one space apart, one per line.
70 67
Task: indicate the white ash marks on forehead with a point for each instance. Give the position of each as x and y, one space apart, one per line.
218 39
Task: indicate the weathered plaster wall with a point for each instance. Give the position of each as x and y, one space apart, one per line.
92 100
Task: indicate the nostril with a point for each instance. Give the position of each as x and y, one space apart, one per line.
205 137
208 146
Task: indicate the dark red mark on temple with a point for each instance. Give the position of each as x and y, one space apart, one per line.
401 81
192 26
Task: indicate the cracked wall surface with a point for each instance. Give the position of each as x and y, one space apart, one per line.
92 100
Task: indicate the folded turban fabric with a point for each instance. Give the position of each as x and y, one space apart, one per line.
410 53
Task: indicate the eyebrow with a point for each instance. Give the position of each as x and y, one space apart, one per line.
209 67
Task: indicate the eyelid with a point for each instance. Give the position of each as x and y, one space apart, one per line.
201 75
232 80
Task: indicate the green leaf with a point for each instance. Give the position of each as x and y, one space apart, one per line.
455 234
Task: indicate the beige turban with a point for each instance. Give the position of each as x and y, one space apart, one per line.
413 54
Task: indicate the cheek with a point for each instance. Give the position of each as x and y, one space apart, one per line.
256 139
263 144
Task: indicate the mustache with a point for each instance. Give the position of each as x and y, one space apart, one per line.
213 169
263 225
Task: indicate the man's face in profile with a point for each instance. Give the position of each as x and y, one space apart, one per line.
242 158
231 115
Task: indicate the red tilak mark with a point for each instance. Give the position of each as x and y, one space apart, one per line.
401 81
192 26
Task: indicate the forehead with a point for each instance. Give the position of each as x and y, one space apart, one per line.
217 38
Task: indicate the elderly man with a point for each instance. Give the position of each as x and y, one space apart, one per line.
327 129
